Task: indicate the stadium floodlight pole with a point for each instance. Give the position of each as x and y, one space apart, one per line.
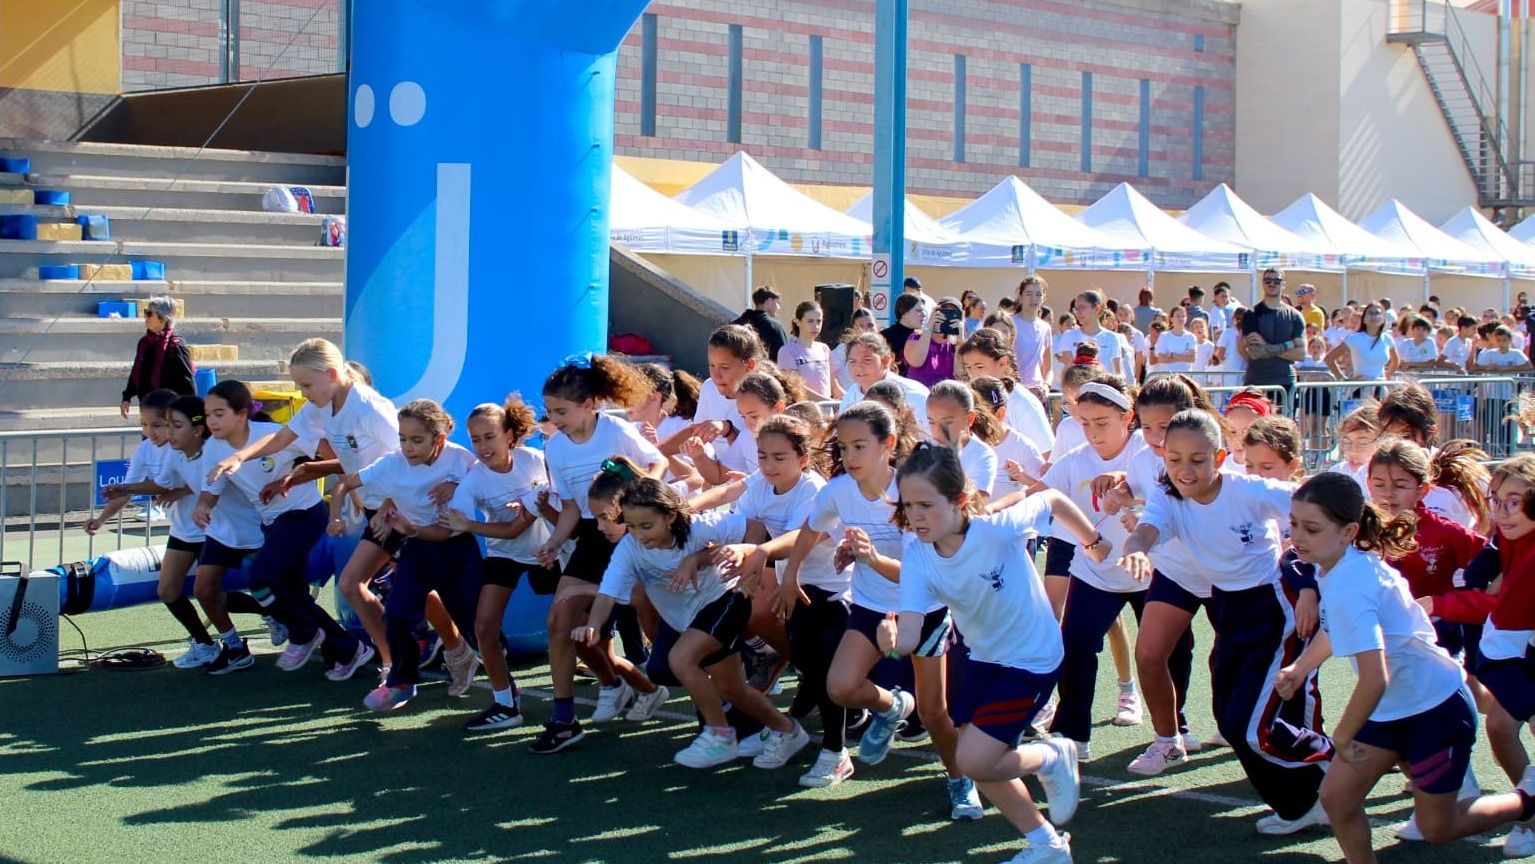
887 272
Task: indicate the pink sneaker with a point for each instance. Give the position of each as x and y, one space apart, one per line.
297 654
387 698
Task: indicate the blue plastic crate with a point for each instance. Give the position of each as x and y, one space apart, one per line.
58 271
149 271
20 165
50 197
94 227
121 308
18 226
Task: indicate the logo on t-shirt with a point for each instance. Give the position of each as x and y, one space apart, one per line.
1245 532
351 441
1430 555
268 464
995 578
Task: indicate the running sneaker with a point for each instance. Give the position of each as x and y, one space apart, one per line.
429 647
707 751
1062 783
875 744
461 664
751 746
766 668
647 704
1217 740
911 731
857 721
830 768
556 737
1129 713
230 659
387 698
1058 852
298 653
1275 825
497 716
1191 742
613 701
964 801
1520 842
1159 757
276 632
345 671
779 747
198 654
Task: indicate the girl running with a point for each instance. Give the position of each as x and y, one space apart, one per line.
504 486
1230 524
1358 436
1409 412
1020 463
955 421
985 354
1410 705
1015 652
586 443
870 361
734 353
1239 412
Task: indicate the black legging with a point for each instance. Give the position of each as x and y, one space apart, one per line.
815 629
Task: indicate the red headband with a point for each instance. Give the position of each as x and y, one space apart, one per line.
1253 402
1084 359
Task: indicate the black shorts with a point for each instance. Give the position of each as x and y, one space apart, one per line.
506 573
937 629
391 540
1166 590
593 552
1058 556
1512 683
725 621
176 544
216 554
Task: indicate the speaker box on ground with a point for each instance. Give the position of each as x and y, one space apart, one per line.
836 301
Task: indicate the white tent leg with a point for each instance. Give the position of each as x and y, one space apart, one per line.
1344 301
1507 289
1426 289
747 302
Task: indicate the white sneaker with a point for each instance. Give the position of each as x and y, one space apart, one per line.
612 701
647 704
1216 740
197 656
462 665
1469 789
1129 713
779 747
298 653
1191 742
830 768
1520 842
1408 831
1062 784
706 751
1275 826
344 671
1058 852
1159 757
751 746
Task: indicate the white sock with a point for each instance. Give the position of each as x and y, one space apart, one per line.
503 697
231 637
1044 836
1170 740
1127 686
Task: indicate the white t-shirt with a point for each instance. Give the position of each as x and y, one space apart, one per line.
410 485
572 466
1016 448
1447 503
254 475
788 512
1496 358
1411 351
980 464
1028 416
1072 475
1174 343
839 505
916 398
1367 606
991 588
1068 435
739 455
238 524
1234 540
366 428
839 366
491 492
1334 336
1371 354
1458 350
1232 360
1220 318
149 462
1030 342
1361 476
1110 352
1171 557
653 568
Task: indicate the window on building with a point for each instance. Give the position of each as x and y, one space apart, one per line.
1087 121
815 93
648 74
733 104
959 107
1025 111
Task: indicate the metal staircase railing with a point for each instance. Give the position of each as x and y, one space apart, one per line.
1447 57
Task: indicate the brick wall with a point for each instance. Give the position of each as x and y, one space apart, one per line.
175 43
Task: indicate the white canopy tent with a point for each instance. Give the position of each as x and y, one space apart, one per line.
647 221
1131 221
1012 225
927 242
1224 216
1524 232
1472 228
1310 218
1440 252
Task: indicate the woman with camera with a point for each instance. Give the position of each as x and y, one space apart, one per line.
929 353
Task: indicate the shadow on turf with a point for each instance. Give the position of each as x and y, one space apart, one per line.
411 788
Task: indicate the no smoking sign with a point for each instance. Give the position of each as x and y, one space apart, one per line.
881 269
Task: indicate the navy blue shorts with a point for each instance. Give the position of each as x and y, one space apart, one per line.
1058 555
592 553
216 554
1436 744
1165 590
1512 683
999 700
389 541
506 573
724 620
176 544
937 629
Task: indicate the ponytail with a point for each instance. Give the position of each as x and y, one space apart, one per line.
1458 466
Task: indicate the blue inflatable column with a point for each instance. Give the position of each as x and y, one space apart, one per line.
480 145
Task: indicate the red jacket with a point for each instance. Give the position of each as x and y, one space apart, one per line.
1443 548
1513 607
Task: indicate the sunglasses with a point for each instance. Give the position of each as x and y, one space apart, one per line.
1273 281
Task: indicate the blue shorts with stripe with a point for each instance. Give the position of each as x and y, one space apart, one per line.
999 700
937 629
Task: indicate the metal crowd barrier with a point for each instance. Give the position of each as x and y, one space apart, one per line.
48 488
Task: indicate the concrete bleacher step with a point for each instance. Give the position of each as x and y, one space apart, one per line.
28 419
104 339
188 225
104 189
54 384
243 262
235 299
83 157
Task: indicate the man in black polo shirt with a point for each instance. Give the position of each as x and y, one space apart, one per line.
763 319
1273 337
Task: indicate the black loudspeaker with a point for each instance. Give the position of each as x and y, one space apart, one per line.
836 302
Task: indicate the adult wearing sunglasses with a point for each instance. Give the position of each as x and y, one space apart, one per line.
1273 337
162 359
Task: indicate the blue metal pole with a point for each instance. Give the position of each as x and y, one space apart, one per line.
888 270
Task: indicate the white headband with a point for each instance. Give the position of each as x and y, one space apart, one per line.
1104 391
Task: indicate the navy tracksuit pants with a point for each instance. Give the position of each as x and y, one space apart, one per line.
281 567
450 567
